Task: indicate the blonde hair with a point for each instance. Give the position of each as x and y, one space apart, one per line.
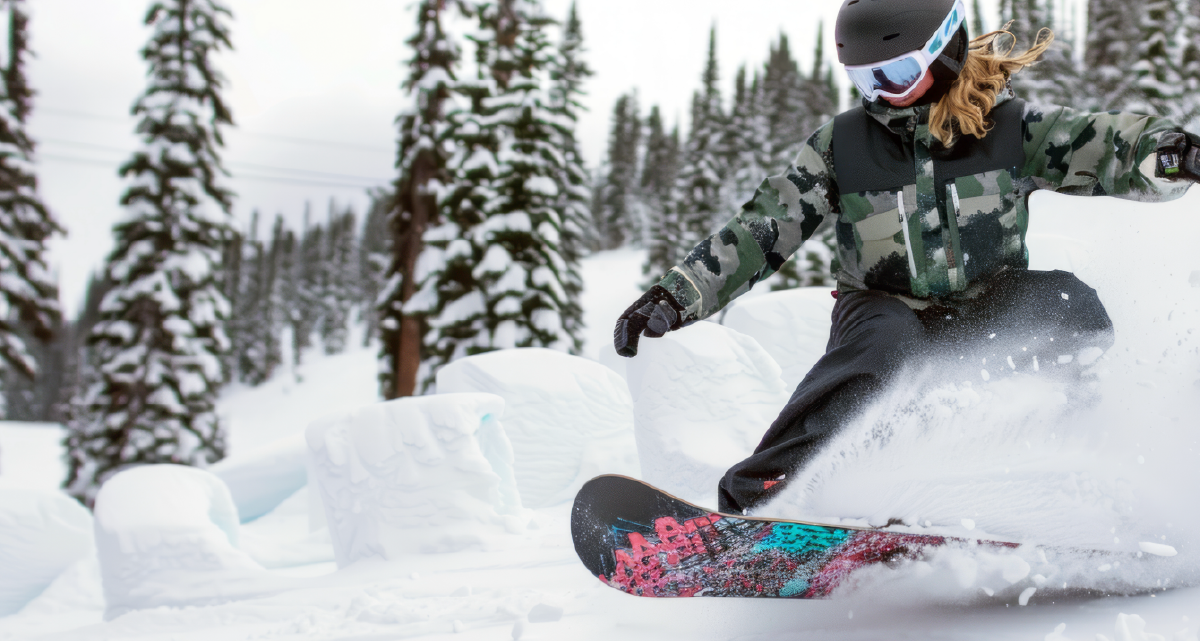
985 73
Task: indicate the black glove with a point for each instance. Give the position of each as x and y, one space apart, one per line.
1178 156
656 313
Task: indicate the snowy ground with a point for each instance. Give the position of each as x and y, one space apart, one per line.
1009 458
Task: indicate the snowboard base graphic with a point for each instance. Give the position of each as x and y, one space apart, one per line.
643 541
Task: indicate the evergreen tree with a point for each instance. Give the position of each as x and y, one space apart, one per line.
784 106
497 280
1109 53
977 23
306 304
160 335
375 251
743 139
28 295
619 213
1056 78
339 293
1158 87
421 159
1189 65
567 75
818 93
658 187
701 172
257 344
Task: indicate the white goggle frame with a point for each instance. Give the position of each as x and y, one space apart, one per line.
903 73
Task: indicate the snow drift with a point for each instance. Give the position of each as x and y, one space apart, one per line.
167 535
702 398
42 533
791 325
416 475
261 479
568 418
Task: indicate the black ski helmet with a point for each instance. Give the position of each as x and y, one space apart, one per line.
869 31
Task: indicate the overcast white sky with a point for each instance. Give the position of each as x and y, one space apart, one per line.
314 89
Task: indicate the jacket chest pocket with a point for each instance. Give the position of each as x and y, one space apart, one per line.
884 227
987 230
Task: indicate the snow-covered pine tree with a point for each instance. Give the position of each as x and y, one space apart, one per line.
567 75
307 304
28 294
810 265
1158 88
742 142
256 343
819 93
701 171
978 27
1056 79
374 259
339 288
618 215
784 106
658 188
240 271
1109 53
160 337
496 279
1189 64
421 157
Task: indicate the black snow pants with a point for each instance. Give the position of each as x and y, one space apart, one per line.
874 335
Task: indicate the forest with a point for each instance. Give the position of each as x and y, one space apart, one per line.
475 245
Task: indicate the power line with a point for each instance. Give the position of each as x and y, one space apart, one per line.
70 113
292 170
239 176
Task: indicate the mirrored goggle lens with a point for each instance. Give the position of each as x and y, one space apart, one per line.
894 77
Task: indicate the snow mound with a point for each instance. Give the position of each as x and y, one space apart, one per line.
569 418
702 398
792 326
167 535
416 475
42 533
261 479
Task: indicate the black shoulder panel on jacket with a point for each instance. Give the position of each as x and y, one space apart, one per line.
867 156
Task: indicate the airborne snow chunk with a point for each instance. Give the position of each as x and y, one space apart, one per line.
1157 549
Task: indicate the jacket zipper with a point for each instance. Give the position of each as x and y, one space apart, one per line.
912 262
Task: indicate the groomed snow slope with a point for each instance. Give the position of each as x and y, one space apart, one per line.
1002 472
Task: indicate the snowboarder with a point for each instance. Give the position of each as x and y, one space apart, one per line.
927 184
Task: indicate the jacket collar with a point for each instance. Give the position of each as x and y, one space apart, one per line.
899 119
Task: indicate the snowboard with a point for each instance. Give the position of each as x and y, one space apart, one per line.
645 542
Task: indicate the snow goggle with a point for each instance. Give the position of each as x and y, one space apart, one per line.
897 77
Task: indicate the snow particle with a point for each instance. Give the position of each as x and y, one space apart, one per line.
1023 600
1066 296
985 375
1141 460
988 591
969 524
1157 549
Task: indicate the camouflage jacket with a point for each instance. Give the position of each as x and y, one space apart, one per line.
932 232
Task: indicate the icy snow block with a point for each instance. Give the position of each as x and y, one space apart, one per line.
568 418
42 533
167 536
792 325
415 475
702 398
263 478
